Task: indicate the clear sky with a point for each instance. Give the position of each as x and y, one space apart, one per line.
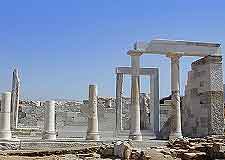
62 46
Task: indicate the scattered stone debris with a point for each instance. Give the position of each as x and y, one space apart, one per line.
8 146
122 149
211 147
208 148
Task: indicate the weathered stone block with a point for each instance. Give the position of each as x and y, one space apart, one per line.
203 112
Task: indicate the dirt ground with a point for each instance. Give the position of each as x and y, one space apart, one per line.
53 157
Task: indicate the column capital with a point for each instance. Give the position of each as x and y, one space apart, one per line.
173 55
134 53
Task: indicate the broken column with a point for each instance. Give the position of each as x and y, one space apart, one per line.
135 129
49 124
15 99
92 131
5 130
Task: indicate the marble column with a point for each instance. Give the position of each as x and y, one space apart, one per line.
5 130
92 131
154 90
15 99
49 123
175 128
119 101
135 132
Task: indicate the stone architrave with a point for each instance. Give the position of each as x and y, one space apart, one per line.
5 130
49 123
15 99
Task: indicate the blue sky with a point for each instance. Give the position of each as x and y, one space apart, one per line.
62 46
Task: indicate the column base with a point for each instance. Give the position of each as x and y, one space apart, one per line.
137 136
49 136
93 136
175 135
5 135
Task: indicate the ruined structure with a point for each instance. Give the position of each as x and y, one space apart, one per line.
204 95
203 109
174 50
199 113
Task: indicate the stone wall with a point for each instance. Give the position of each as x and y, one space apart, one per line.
202 107
70 121
165 110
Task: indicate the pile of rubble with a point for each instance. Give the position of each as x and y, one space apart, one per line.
128 151
212 147
208 148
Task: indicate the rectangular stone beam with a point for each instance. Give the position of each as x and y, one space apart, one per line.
181 47
142 71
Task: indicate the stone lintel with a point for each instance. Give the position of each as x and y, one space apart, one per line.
142 71
182 47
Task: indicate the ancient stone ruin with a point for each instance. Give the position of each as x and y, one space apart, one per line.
203 110
137 127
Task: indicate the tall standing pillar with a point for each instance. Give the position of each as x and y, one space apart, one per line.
119 103
15 99
154 90
92 131
135 132
49 124
175 128
5 130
